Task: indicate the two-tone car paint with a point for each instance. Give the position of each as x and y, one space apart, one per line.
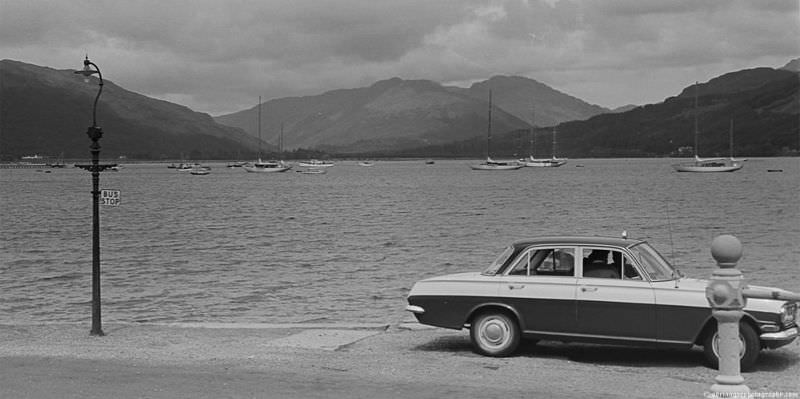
670 312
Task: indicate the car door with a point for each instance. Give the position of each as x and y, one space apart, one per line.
613 299
540 286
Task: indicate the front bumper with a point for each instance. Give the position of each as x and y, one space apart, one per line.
777 339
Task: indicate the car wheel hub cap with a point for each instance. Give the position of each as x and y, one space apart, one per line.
742 347
494 332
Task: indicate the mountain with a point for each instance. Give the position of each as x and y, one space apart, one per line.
762 103
624 108
534 102
397 113
47 111
392 113
793 65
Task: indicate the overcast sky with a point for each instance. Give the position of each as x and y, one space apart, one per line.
218 56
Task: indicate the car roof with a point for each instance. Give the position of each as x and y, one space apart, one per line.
577 240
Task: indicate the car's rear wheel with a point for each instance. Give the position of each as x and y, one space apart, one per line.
750 345
494 334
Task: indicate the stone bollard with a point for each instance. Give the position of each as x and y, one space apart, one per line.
724 294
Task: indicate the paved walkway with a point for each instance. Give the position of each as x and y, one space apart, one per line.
337 360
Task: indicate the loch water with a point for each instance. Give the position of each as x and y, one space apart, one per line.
347 245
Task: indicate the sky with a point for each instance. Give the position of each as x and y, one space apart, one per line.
219 56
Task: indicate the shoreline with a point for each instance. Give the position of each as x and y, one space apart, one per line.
344 360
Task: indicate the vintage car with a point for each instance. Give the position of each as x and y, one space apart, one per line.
591 289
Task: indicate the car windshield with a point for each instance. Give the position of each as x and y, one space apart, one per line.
656 267
499 262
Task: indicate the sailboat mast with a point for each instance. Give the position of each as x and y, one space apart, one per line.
695 119
533 129
489 130
259 128
730 139
554 142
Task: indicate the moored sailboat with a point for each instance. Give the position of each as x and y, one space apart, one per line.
315 163
491 164
261 166
708 165
553 162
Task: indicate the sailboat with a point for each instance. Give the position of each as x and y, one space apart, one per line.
266 166
491 164
59 163
553 162
708 165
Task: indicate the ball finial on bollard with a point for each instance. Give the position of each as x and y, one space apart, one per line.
726 250
724 294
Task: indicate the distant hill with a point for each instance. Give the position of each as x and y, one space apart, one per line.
534 102
624 108
47 111
793 65
763 104
397 113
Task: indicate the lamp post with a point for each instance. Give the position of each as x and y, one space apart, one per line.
95 133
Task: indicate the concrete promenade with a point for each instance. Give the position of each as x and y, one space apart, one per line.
337 360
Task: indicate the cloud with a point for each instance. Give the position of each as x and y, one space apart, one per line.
217 56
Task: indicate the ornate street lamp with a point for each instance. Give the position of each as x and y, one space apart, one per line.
95 133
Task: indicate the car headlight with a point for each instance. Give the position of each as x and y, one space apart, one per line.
789 314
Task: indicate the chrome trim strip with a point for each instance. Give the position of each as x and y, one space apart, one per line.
415 309
780 336
607 337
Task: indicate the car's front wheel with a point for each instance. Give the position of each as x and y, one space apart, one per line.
749 347
494 334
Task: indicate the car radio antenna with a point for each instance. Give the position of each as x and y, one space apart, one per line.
671 243
669 229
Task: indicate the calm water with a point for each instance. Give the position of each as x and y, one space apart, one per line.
346 246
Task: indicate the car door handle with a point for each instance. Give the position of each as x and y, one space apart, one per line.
588 289
516 286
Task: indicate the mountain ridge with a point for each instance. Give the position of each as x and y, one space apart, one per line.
46 110
402 113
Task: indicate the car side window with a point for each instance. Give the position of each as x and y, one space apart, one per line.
522 266
604 263
545 262
629 271
553 262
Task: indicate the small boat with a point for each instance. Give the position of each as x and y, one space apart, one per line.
116 168
430 162
708 165
33 161
553 162
544 163
315 163
312 171
236 164
200 170
366 163
59 162
266 166
491 164
184 167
